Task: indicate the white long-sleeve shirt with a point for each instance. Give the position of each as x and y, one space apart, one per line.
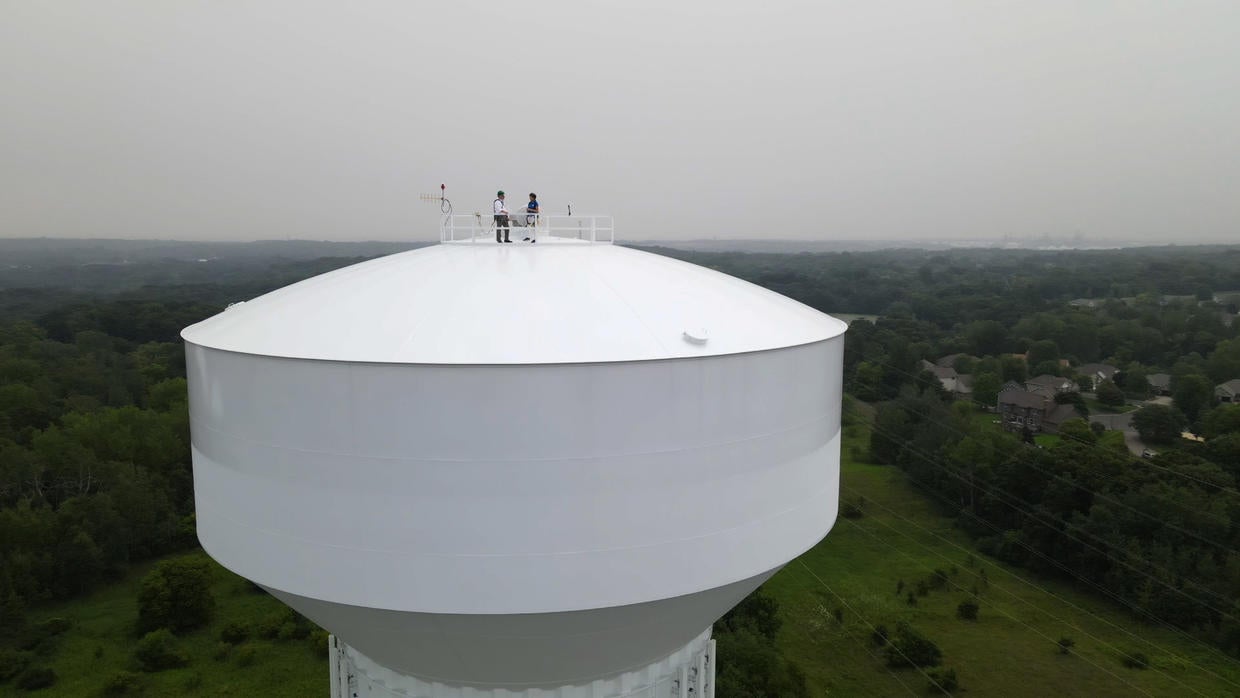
499 207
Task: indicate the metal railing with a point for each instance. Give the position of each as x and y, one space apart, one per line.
480 227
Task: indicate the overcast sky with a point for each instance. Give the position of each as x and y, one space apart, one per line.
242 120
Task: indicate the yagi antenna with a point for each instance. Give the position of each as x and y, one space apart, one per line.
444 205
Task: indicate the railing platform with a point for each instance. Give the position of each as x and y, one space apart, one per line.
472 228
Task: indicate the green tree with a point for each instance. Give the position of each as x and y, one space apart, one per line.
1041 352
986 337
176 595
1109 394
1158 423
1224 419
1224 361
1192 393
910 648
986 389
159 650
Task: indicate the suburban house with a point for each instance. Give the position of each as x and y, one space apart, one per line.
1160 383
1097 373
949 361
1229 391
1057 415
1021 409
964 385
952 382
1049 385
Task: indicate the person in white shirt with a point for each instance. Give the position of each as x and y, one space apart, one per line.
501 216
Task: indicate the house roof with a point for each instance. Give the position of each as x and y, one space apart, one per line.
1104 370
1060 414
1047 380
950 359
1232 386
1022 398
1159 380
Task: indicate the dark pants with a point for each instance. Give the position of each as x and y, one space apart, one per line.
501 221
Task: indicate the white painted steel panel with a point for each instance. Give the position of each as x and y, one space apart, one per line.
521 489
514 304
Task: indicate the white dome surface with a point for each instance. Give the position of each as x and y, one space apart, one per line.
558 302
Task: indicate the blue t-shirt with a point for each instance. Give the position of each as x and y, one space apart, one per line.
532 207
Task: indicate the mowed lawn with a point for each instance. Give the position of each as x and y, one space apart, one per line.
101 642
1010 650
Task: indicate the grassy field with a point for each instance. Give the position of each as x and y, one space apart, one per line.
1010 650
101 642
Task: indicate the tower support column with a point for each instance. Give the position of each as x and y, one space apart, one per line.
689 672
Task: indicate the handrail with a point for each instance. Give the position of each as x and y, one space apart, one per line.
480 227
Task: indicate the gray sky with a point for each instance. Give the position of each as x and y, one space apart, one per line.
194 119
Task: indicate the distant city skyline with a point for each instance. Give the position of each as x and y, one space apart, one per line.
797 121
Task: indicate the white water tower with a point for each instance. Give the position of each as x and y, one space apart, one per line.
516 470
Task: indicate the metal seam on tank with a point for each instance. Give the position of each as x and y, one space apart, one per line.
593 456
516 364
566 553
602 278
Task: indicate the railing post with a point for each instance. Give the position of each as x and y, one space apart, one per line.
593 229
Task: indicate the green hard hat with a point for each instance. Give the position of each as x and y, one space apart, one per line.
500 192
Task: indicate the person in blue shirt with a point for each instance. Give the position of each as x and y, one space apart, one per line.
531 215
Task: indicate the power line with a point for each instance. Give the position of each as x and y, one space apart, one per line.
1043 590
1065 532
1080 577
1026 625
873 629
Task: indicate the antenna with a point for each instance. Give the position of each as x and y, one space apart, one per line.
445 206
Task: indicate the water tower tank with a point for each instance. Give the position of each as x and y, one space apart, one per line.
516 470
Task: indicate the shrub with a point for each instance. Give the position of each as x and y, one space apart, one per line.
1066 644
36 678
235 633
318 643
912 599
1136 660
158 650
176 595
911 648
879 636
291 630
967 610
122 682
222 651
269 627
191 683
942 680
13 662
41 637
839 614
246 655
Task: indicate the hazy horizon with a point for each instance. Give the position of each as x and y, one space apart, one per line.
796 121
